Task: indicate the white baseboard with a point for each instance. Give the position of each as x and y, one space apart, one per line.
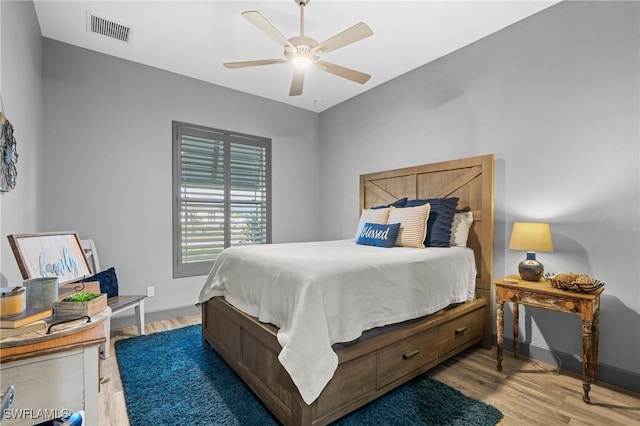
129 320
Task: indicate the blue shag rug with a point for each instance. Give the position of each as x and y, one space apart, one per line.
170 378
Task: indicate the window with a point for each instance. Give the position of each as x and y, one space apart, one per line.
221 193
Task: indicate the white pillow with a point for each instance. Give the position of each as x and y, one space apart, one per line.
372 216
413 225
460 229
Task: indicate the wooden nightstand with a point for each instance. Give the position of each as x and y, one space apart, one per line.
542 295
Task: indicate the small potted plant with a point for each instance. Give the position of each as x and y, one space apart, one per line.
80 304
81 296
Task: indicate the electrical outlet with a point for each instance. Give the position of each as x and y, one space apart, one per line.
151 291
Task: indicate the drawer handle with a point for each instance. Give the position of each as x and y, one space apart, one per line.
461 330
410 354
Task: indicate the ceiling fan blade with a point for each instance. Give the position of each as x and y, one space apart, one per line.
348 73
244 64
261 22
297 82
348 36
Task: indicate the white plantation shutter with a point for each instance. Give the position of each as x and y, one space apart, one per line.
248 195
221 193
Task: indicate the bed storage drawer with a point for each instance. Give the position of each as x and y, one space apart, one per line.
352 380
460 331
405 356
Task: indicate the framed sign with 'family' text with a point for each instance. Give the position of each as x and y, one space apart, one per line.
50 254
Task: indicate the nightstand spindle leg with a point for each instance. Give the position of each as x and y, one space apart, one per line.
500 331
516 319
596 344
587 353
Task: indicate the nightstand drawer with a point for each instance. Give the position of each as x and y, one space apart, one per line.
460 331
399 359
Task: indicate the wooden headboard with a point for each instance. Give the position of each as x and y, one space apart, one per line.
470 179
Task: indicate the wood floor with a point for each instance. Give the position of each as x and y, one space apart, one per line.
527 392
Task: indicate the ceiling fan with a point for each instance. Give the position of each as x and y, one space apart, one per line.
304 51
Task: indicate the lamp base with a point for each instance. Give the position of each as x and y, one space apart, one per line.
530 269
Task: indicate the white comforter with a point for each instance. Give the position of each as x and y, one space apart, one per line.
328 292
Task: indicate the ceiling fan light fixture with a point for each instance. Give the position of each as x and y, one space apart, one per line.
304 51
301 62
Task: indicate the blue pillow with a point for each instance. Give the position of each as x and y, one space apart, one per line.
379 235
108 282
398 203
439 221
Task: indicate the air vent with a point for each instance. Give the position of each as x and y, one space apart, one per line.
107 28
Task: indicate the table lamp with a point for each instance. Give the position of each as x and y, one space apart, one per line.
531 237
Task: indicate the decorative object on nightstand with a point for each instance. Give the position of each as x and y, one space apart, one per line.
532 237
581 283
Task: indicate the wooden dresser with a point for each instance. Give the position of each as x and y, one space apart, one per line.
53 373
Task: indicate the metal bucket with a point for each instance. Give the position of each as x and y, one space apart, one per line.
41 292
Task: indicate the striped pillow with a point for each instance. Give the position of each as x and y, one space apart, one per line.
372 216
413 225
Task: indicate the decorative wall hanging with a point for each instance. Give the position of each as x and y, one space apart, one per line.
8 153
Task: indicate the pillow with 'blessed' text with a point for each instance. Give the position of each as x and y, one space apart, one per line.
379 235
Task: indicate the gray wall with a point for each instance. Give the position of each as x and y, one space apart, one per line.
21 89
556 98
108 169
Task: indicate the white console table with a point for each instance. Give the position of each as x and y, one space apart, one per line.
53 373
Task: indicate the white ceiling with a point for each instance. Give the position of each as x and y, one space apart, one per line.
194 38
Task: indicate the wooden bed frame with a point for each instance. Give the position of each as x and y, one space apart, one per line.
381 361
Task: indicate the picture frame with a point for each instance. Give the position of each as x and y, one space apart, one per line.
50 254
